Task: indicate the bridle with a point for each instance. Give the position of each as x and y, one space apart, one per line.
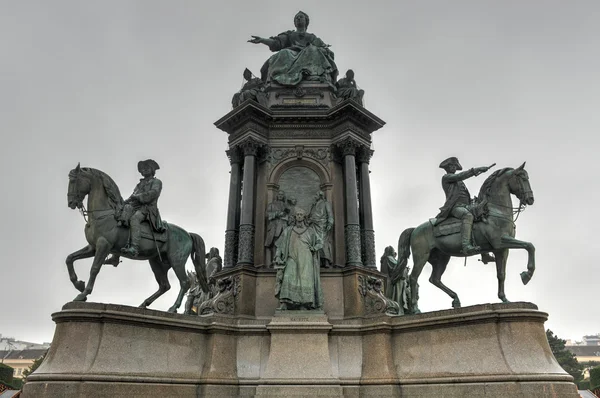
73 195
522 193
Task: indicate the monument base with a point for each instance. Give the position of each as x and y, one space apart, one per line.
491 350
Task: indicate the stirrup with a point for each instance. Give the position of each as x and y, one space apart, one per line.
469 250
131 250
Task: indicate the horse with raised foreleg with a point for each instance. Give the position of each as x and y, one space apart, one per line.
105 237
496 234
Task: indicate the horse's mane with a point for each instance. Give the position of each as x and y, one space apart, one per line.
115 199
487 184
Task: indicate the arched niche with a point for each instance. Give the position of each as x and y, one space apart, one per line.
300 178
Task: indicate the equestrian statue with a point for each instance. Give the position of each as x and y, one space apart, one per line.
133 229
466 227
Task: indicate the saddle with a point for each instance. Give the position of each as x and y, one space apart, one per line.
146 233
453 225
124 214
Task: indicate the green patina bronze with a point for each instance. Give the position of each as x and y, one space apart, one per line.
107 235
299 56
297 261
493 229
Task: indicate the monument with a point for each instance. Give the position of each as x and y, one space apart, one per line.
299 306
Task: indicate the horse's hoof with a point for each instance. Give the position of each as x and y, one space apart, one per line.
143 305
80 285
173 310
456 304
525 277
80 297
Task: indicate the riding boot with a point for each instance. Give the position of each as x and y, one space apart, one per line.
135 235
467 228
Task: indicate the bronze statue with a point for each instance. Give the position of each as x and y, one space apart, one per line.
495 233
196 296
252 89
277 220
169 250
142 206
321 216
396 287
347 88
299 56
458 198
291 206
298 283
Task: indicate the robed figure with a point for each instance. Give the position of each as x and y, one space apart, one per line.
396 287
321 217
298 283
299 56
277 220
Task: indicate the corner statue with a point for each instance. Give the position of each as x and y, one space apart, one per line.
142 206
106 233
347 88
252 89
458 198
298 282
299 56
495 232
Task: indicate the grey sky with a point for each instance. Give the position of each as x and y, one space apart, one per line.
109 83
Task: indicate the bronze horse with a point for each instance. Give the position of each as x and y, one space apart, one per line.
105 237
496 234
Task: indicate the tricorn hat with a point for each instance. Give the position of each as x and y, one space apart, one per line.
148 162
451 160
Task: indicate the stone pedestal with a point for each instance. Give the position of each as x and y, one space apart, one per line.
491 350
299 361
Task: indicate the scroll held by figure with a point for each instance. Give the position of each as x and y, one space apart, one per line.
298 282
299 56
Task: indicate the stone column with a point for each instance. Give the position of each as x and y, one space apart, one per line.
352 226
246 233
233 209
369 257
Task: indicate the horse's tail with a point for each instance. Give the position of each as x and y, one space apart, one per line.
199 259
404 247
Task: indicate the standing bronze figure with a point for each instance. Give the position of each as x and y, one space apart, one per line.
495 233
106 237
277 220
321 217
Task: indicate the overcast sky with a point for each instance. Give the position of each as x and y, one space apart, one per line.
108 83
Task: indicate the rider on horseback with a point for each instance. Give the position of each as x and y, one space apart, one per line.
457 200
142 206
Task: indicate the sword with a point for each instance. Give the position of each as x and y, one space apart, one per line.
154 238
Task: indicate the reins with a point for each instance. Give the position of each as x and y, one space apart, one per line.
84 213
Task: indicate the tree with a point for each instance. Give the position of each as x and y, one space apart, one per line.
34 366
565 358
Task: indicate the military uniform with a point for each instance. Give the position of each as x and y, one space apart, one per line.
457 199
142 206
